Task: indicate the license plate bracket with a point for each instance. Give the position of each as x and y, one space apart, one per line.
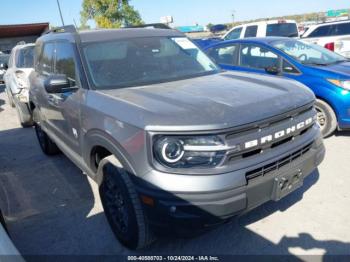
286 183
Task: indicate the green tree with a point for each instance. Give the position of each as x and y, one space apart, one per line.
110 13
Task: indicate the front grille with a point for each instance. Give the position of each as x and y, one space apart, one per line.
262 171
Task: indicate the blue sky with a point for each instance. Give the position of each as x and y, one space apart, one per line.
185 12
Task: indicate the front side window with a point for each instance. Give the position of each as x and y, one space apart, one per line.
234 34
251 31
145 60
25 57
255 56
282 29
65 61
308 54
321 31
45 65
224 55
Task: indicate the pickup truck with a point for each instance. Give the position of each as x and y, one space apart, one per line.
175 144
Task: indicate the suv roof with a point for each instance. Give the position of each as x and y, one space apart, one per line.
111 34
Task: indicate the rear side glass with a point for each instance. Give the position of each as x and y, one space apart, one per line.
341 29
282 29
251 31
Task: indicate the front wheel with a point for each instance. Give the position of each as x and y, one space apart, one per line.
326 118
123 209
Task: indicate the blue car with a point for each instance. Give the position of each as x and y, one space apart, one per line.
326 73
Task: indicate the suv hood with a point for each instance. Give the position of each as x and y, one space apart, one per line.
204 103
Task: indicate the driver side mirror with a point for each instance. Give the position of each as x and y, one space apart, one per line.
273 70
56 84
4 66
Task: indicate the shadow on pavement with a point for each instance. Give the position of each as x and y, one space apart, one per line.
51 209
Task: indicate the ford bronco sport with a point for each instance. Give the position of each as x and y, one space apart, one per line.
173 142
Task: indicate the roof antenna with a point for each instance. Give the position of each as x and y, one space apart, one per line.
75 23
59 9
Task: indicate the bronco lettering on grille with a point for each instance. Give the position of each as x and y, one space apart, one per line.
279 134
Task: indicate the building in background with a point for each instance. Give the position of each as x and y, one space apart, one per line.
10 35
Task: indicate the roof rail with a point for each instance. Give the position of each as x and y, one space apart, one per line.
62 29
154 25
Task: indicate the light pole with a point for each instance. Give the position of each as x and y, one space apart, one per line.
59 9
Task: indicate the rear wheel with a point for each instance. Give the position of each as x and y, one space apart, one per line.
45 142
123 209
326 118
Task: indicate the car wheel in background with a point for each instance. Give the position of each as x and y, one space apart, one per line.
9 95
24 115
123 209
326 118
45 142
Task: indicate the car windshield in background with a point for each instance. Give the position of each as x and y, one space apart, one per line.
4 59
282 29
25 57
142 61
308 54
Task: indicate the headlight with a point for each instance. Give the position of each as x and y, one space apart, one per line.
345 84
187 152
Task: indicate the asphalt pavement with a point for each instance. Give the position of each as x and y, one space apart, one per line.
51 208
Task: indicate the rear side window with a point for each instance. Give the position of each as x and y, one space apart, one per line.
251 31
321 31
234 34
341 29
25 57
65 61
224 55
45 65
282 29
254 56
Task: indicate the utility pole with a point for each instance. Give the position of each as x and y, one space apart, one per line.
59 9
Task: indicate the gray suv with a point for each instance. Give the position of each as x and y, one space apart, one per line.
175 144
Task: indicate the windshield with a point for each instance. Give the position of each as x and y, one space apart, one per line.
142 61
308 54
25 57
282 29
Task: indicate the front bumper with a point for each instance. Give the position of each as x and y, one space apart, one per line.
200 210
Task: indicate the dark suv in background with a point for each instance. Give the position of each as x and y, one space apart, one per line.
173 142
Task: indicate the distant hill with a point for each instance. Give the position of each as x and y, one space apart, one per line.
319 16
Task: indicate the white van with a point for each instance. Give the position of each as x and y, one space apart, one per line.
287 28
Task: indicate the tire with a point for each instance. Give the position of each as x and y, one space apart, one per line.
9 95
46 144
326 118
123 209
25 118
